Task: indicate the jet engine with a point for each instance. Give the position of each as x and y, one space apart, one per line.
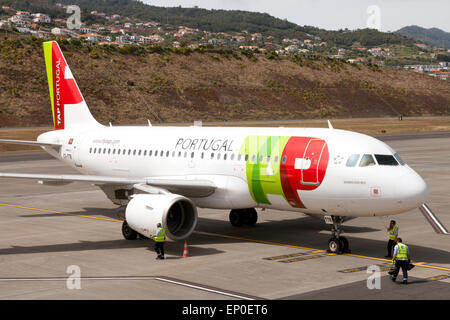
177 215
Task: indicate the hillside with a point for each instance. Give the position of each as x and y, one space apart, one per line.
213 21
433 36
131 84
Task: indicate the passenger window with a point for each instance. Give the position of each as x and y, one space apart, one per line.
352 160
254 158
275 159
283 160
386 160
192 154
268 159
218 156
367 160
239 157
261 158
232 156
212 155
225 156
156 153
145 153
140 151
246 157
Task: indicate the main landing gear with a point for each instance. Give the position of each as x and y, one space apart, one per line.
240 217
337 243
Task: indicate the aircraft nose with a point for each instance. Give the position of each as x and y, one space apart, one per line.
412 190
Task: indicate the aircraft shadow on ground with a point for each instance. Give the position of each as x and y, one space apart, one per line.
304 231
174 249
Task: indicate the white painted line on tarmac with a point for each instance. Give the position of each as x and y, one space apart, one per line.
433 220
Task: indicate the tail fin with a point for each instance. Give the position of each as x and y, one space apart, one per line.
68 105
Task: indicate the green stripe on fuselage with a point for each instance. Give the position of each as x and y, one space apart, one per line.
263 177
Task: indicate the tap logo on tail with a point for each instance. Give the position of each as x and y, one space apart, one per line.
63 89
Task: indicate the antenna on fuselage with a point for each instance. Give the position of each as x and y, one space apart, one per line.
329 125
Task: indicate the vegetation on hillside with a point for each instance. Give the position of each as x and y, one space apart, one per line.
215 21
432 36
129 84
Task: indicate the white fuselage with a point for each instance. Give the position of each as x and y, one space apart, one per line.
246 165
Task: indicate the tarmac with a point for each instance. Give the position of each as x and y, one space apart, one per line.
50 236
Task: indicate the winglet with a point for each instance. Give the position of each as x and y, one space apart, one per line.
329 125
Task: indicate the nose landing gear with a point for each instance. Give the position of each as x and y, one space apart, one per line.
337 244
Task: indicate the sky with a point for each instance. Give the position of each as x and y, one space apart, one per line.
385 15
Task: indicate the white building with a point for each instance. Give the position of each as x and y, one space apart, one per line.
41 18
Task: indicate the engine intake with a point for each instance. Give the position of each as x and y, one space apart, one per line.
177 214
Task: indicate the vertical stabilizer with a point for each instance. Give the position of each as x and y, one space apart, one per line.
68 105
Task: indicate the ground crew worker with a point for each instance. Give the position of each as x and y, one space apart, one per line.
401 260
393 234
160 238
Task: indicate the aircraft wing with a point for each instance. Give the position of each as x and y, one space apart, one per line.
186 187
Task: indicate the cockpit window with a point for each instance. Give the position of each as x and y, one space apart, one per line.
352 160
400 160
367 160
386 160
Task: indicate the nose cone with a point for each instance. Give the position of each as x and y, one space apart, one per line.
412 190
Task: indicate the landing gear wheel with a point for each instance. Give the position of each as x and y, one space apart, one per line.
127 232
334 245
344 245
251 216
337 244
236 218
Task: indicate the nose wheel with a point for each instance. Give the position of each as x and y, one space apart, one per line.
337 244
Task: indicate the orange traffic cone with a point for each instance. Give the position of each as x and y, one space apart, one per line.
185 251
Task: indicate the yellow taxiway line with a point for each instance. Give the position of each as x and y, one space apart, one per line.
315 250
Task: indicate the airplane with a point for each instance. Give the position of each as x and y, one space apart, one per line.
163 174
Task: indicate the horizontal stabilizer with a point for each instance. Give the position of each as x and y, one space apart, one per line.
30 143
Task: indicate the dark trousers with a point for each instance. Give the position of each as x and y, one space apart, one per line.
403 264
390 247
159 249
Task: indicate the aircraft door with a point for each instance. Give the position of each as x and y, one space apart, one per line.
312 155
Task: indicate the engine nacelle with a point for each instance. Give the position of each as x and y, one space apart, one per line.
177 214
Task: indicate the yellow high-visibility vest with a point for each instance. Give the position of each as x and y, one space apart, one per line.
393 233
162 235
402 252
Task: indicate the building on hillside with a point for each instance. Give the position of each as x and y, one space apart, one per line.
41 18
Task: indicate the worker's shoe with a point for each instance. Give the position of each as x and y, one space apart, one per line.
393 279
405 281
